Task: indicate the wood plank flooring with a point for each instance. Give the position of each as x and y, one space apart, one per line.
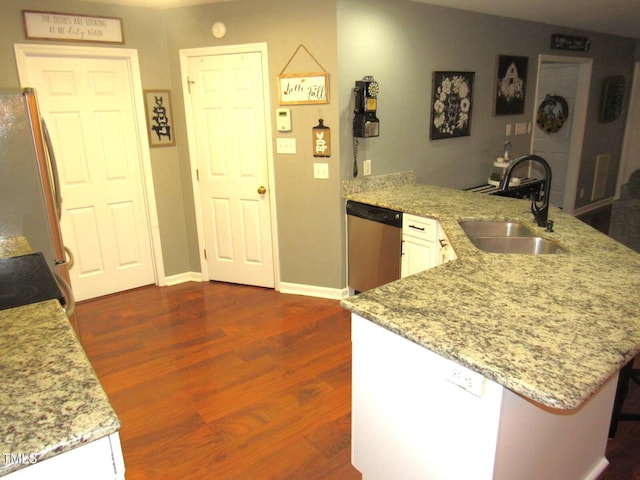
220 381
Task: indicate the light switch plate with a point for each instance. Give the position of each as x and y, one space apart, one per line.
286 145
521 128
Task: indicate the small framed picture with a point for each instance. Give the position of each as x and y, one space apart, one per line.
157 104
511 85
452 100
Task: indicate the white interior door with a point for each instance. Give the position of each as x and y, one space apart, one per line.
89 109
556 79
227 105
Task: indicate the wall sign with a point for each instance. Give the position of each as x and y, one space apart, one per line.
611 98
77 28
567 42
303 88
159 115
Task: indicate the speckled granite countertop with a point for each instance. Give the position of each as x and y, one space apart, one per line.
553 328
51 400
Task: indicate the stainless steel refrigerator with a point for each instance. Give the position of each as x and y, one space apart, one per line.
29 189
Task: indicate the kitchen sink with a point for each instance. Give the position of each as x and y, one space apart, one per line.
505 236
526 245
495 228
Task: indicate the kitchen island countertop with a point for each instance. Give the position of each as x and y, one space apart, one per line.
51 400
553 328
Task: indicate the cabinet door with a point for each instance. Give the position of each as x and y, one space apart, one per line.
417 255
445 251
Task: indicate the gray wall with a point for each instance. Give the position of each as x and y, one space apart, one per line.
402 43
399 42
144 31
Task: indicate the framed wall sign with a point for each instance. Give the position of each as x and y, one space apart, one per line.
511 84
76 28
303 88
452 98
612 98
569 42
159 118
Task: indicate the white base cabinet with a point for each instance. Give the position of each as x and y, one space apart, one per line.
98 460
411 420
419 244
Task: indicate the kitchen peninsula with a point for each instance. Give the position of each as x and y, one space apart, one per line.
535 340
57 421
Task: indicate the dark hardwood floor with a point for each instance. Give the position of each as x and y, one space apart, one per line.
219 381
222 381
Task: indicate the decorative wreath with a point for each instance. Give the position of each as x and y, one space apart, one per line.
552 113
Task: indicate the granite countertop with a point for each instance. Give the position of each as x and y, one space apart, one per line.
553 328
51 400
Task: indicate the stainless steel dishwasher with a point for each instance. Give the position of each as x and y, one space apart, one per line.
374 237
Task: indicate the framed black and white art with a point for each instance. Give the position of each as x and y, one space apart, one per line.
452 101
511 85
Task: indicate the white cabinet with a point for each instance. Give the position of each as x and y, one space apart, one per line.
424 245
413 419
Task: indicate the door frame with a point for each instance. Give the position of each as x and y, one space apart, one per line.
185 55
22 51
577 127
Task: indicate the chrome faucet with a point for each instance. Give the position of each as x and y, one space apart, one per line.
541 212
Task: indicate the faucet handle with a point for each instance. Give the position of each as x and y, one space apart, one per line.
549 226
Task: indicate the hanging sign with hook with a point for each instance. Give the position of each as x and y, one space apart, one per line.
303 88
321 140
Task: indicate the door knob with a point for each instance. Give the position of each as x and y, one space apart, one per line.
262 190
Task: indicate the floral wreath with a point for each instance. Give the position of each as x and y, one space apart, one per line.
552 113
452 104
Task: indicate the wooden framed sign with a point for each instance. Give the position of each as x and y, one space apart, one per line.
157 104
303 88
76 28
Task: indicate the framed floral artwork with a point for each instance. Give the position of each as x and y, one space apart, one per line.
511 84
452 100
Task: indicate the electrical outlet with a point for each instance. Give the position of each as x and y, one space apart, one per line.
471 381
320 170
366 167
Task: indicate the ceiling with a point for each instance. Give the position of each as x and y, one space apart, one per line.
617 17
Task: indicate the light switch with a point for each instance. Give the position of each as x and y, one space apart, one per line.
286 145
507 130
521 128
320 170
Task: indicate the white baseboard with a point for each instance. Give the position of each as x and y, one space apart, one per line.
288 288
183 278
313 291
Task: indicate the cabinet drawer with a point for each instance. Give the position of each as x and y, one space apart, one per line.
420 227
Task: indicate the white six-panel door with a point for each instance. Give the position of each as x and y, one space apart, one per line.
88 106
227 104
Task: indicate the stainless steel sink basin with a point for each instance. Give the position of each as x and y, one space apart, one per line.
525 245
504 236
495 228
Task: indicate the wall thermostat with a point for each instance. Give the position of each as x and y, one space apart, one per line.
283 119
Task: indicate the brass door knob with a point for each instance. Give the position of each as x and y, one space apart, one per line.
262 190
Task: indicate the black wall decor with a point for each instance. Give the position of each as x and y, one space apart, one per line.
567 42
611 99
